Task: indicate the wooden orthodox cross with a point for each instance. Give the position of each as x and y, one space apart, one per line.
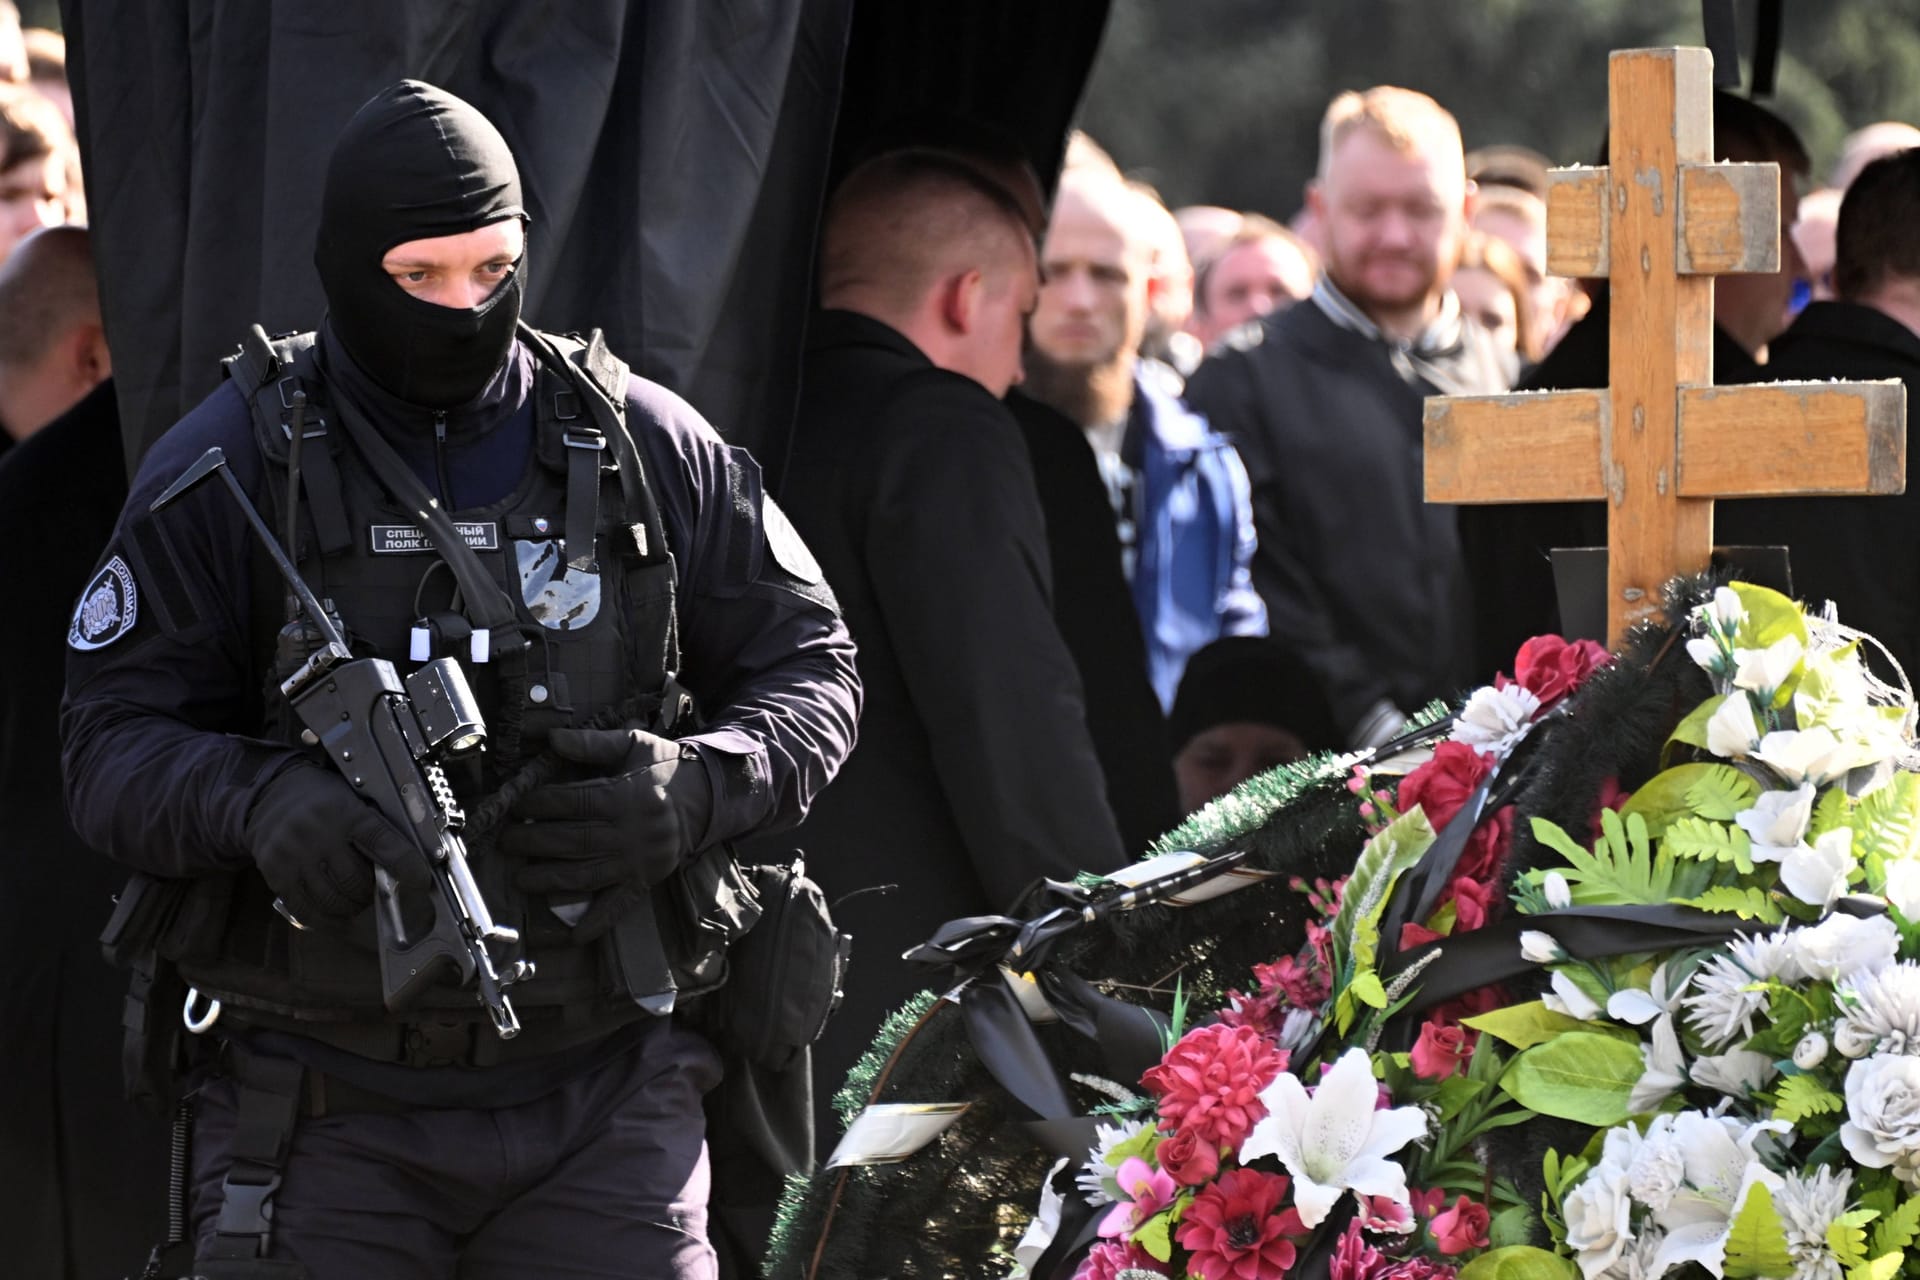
1661 442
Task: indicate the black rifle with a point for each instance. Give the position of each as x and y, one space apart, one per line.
387 737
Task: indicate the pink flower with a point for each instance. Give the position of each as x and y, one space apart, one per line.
1109 1258
1353 1257
1441 786
1384 1213
1461 1228
1550 668
1232 1231
1441 1050
1149 1190
1210 1082
1187 1159
1427 1203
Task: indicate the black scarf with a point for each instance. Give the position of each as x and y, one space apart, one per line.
416 162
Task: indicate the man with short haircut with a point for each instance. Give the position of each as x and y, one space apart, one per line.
53 349
974 772
1206 228
1861 553
1179 494
1261 269
1324 400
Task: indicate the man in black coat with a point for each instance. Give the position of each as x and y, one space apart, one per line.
1362 577
85 1171
910 482
1508 548
1861 553
1094 606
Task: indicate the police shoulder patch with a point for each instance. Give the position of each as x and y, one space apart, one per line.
788 548
107 609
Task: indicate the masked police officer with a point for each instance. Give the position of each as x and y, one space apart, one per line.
662 670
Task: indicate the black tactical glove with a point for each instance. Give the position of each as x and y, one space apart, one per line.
316 841
617 832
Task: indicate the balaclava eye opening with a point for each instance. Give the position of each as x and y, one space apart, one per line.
416 162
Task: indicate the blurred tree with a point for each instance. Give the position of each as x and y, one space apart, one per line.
1219 101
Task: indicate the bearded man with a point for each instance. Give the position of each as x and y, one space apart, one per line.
1359 574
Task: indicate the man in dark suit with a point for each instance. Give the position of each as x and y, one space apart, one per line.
85 1169
1093 604
1861 553
911 483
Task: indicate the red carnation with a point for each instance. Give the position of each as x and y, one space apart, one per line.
1462 1227
1186 1159
1441 786
1109 1258
1441 1050
1550 668
1210 1082
1232 1232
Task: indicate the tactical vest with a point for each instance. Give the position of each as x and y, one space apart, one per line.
593 643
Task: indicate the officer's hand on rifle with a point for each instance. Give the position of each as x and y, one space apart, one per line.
316 842
613 835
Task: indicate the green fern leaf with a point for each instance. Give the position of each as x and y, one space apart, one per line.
1748 904
1847 1237
1756 1242
1886 824
1897 1230
1831 811
1803 1096
1704 841
1720 791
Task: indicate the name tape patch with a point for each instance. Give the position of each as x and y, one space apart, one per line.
107 608
405 540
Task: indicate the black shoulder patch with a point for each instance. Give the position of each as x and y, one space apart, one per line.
107 609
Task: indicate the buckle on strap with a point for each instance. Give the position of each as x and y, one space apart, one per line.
246 1212
584 438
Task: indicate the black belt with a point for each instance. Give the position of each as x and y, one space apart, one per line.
451 1041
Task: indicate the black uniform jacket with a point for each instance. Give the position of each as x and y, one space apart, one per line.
1861 553
1361 576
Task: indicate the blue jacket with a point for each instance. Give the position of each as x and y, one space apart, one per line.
1192 582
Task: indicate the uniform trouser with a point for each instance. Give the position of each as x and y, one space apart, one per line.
604 1177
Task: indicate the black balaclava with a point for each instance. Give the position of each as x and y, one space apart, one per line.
413 163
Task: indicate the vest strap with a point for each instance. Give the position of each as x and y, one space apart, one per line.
586 446
268 1106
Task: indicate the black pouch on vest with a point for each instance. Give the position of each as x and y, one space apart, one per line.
151 1048
787 973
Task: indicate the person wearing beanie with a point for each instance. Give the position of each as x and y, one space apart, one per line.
1245 704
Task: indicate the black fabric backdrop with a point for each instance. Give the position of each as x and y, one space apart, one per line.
674 153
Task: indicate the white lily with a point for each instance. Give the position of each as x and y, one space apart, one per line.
1777 822
1569 1000
1632 1004
1559 895
1764 670
1736 1073
1819 875
1805 755
1665 1071
1732 732
1335 1139
1721 1168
